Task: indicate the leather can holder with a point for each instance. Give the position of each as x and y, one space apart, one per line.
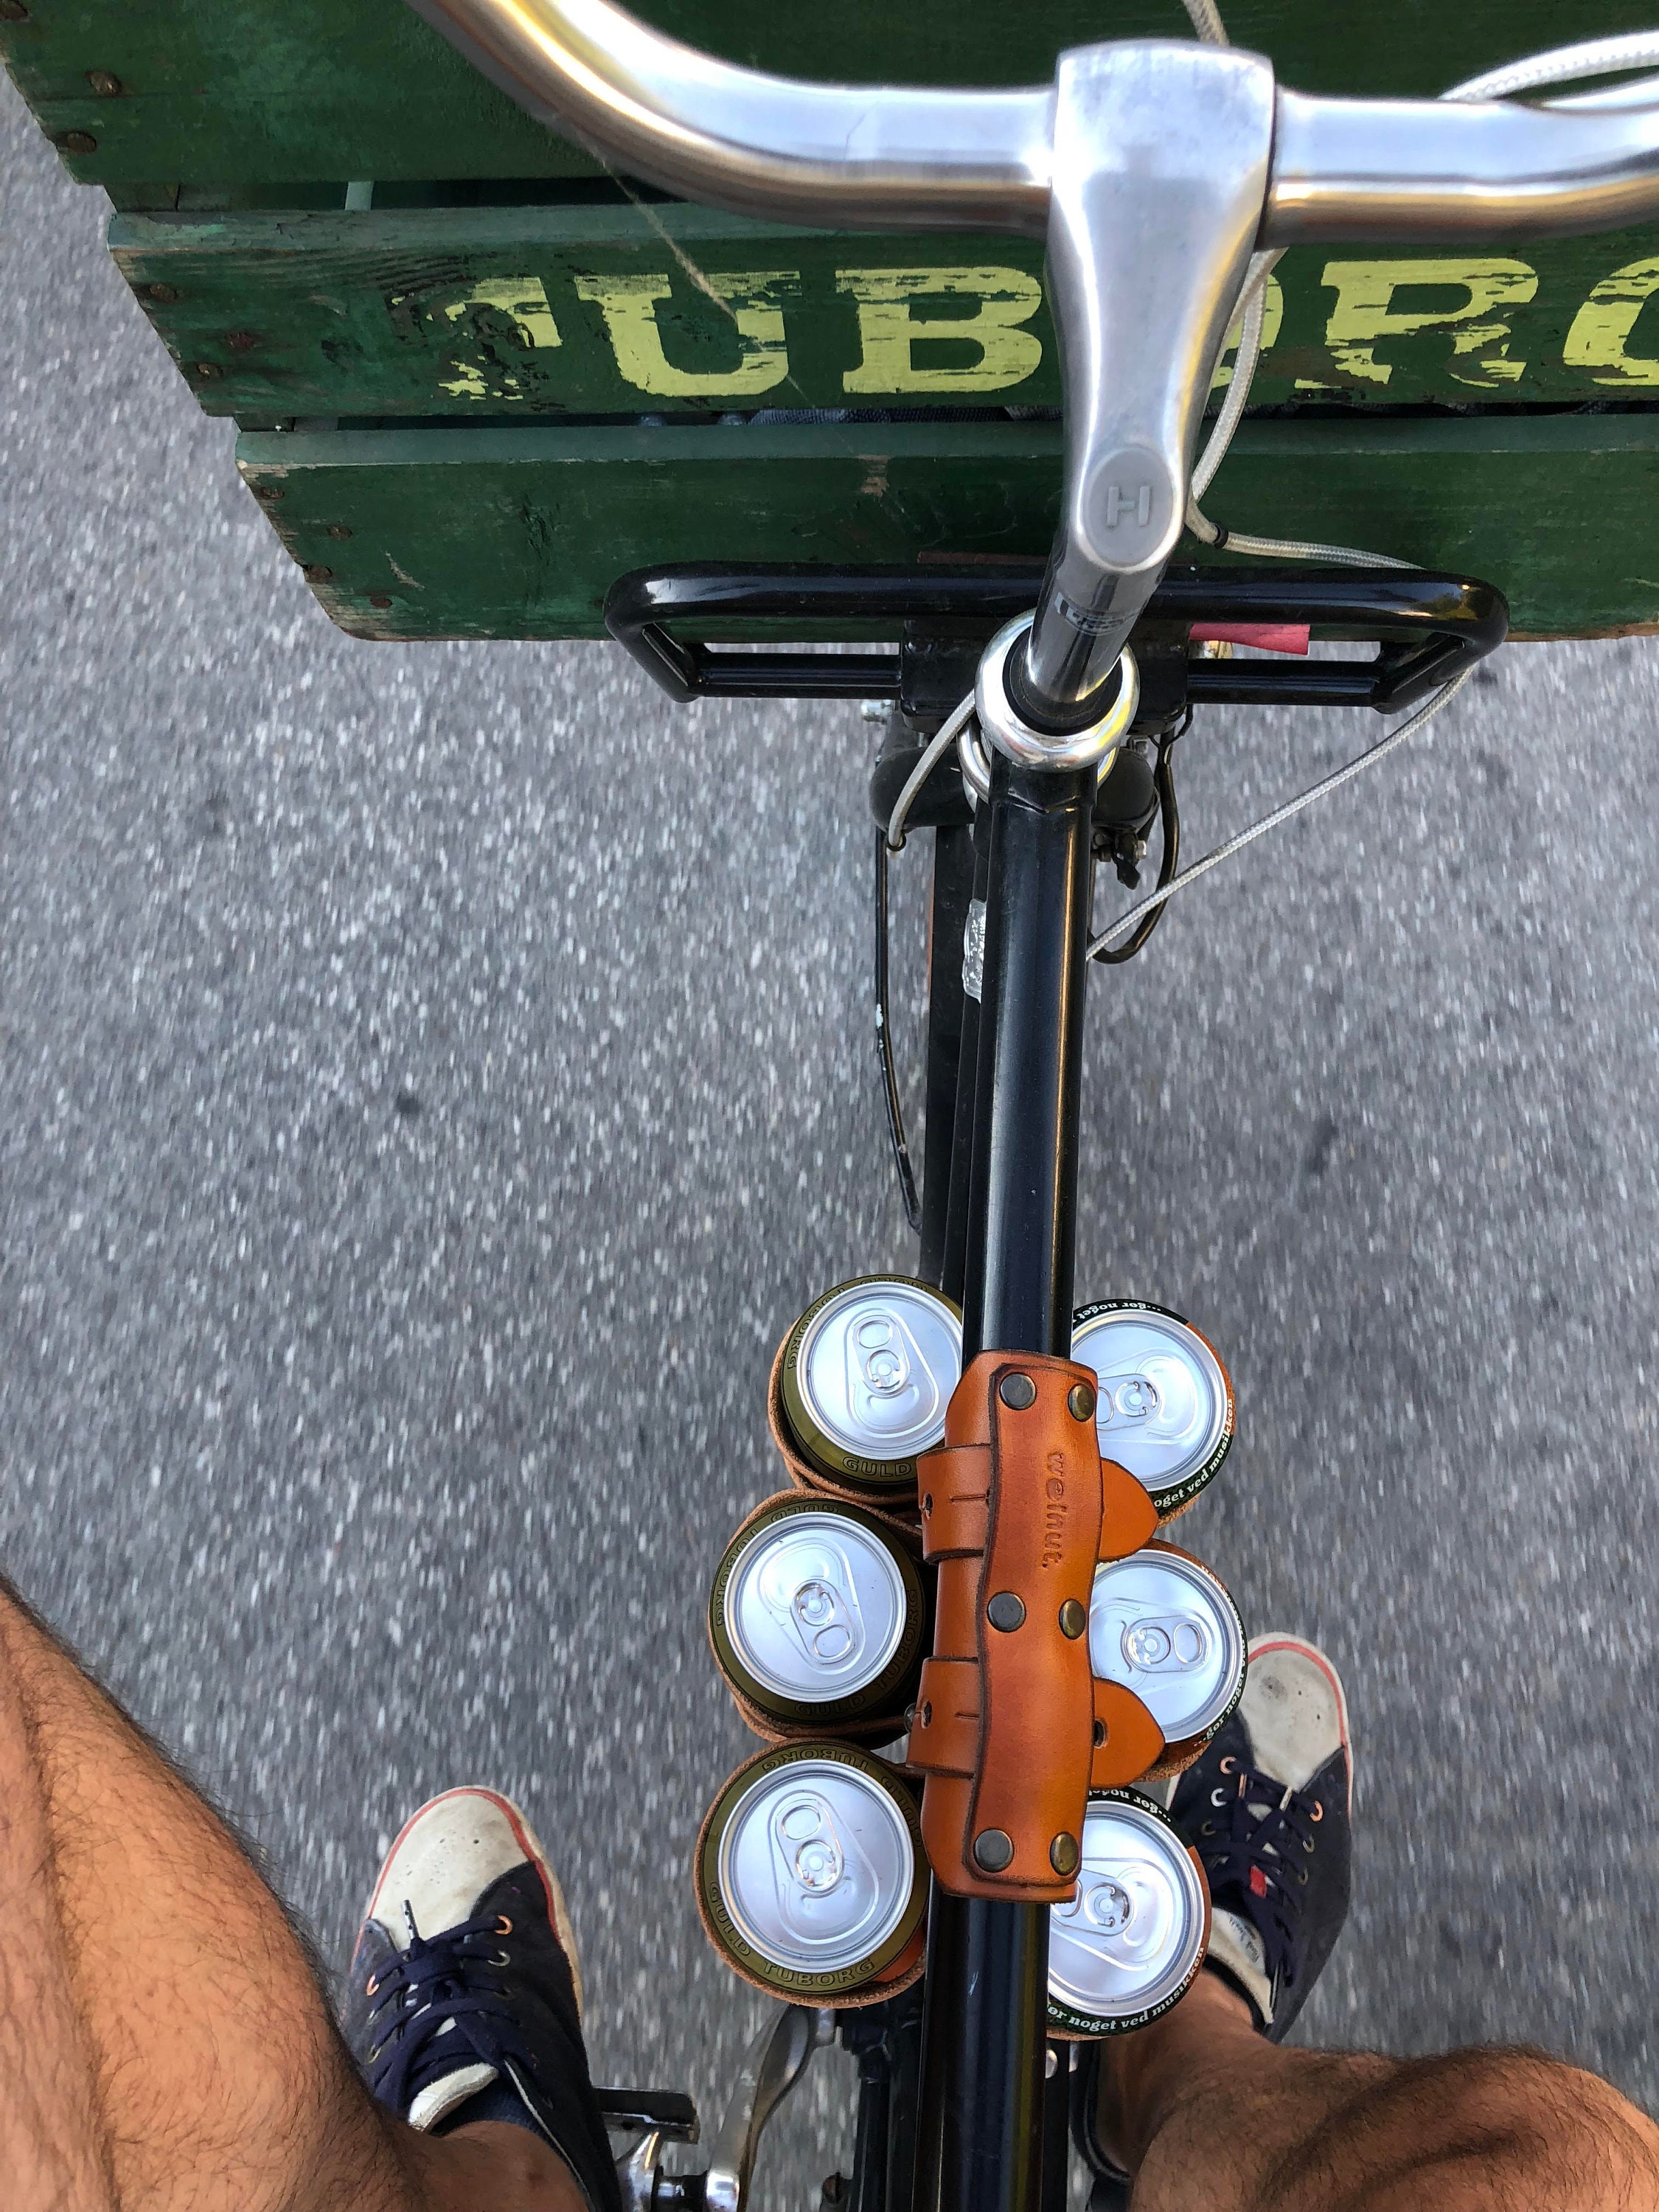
1012 1730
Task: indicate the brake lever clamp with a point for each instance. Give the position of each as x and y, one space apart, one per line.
1162 159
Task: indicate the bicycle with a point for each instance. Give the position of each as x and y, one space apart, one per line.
1001 744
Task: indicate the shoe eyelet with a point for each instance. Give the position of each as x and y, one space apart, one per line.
1217 1796
1307 1845
1207 1828
1301 1873
1228 1765
1317 1810
371 1985
375 2053
500 1958
503 1925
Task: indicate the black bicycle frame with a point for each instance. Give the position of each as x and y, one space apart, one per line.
986 2126
986 1992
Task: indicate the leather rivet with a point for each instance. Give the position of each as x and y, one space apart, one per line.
1074 1620
1100 1734
1017 1391
1063 1854
1006 1610
1081 1401
993 1851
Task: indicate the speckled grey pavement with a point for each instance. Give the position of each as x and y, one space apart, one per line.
431 1078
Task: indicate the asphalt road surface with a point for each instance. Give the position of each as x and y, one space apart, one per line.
432 1079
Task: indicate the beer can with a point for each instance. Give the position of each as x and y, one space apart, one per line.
812 1880
1128 1946
817 1616
1165 1408
867 1372
1165 1627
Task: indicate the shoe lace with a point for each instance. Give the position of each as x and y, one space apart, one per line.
1255 1846
435 2003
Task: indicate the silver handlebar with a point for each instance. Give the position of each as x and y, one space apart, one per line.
1152 167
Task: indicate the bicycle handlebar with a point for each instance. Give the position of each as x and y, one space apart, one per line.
888 156
1152 168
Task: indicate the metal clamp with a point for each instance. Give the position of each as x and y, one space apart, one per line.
1027 748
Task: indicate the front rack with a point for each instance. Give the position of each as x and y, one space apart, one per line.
1427 626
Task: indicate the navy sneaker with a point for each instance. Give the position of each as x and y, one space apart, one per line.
1268 1808
465 1993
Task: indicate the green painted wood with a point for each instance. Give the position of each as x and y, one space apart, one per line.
215 92
419 533
615 310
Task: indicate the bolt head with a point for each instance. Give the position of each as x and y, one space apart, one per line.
1017 1391
206 369
1063 1853
1006 1610
316 573
382 600
105 85
167 294
1080 1399
1073 1619
12 11
78 142
993 1851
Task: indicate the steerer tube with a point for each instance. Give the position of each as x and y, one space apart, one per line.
985 2026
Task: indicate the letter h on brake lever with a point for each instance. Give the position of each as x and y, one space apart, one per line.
1161 161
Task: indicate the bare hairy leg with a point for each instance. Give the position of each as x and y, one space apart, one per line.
1201 2108
165 2039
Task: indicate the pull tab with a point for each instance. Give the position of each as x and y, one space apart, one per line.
1125 1914
824 1883
810 1592
889 1386
1158 1397
1166 1643
1134 1399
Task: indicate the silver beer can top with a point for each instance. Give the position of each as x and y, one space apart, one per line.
816 1866
816 1607
1166 1628
1131 1939
1164 1408
868 1374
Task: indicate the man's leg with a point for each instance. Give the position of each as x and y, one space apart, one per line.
1201 2109
1205 2107
163 2040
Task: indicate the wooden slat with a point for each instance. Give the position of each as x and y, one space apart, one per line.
519 532
608 310
223 92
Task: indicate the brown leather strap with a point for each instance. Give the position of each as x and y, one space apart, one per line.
1128 1741
1128 1518
944 1733
1018 1834
954 1491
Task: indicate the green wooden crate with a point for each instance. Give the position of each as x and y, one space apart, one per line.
613 310
442 384
519 533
